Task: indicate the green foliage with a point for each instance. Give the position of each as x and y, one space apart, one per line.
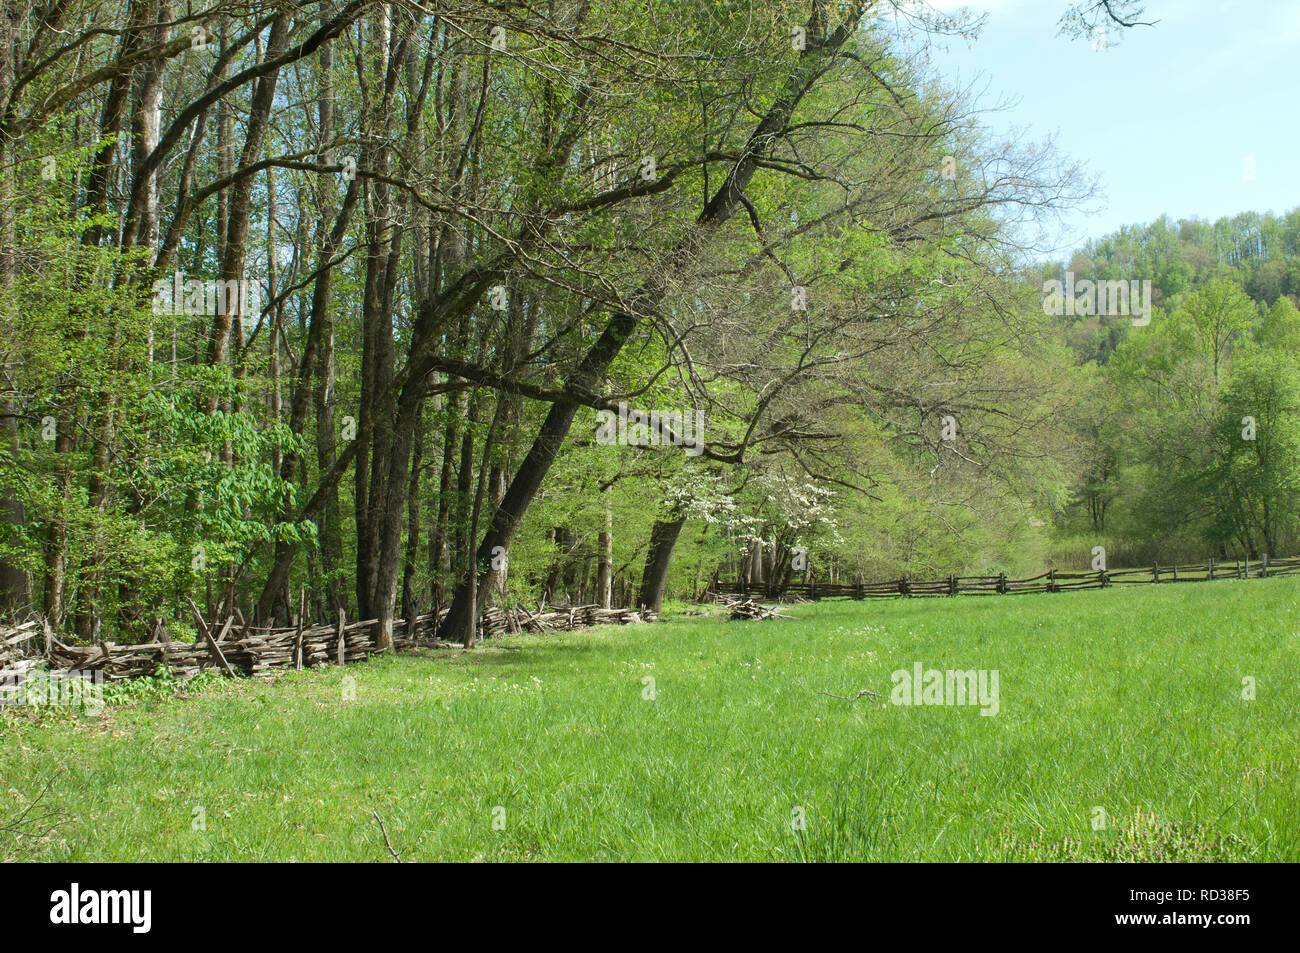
1173 470
163 685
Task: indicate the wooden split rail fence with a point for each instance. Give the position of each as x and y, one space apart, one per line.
1050 581
235 648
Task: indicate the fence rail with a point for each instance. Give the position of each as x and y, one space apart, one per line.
236 648
1051 581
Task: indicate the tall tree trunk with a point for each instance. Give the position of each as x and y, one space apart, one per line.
14 594
56 537
14 590
439 545
378 403
142 231
95 202
388 508
239 208
605 571
320 329
318 351
410 600
470 635
663 538
330 524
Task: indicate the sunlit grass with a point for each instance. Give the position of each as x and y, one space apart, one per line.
1127 702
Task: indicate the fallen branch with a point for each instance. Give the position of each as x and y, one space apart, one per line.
35 825
748 609
384 831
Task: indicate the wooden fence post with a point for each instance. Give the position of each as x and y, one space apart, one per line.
1155 573
302 618
215 649
1263 567
1209 569
952 585
1051 581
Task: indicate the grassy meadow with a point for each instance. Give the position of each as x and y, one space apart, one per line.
1122 734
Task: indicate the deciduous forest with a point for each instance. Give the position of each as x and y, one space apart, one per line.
419 307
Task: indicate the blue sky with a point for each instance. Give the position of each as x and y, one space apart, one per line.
1165 118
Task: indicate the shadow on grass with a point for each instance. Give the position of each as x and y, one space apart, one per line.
490 655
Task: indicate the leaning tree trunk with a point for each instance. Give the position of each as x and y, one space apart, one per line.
591 371
663 538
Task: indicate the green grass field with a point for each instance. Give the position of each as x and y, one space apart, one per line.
548 748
